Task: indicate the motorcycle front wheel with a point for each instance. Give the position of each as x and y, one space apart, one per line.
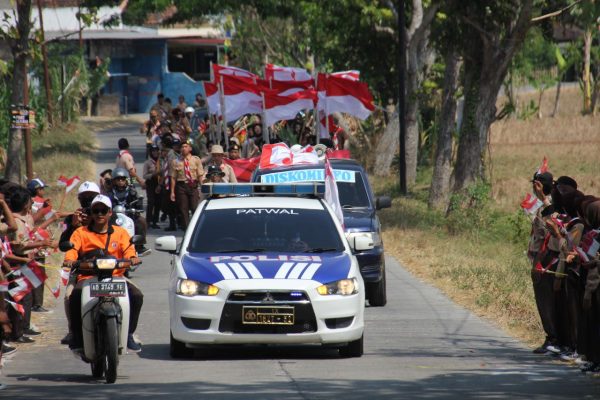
111 349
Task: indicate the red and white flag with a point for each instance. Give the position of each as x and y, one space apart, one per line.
34 274
240 97
352 75
279 155
64 276
20 290
3 286
219 70
544 167
332 196
286 73
285 88
350 97
39 234
55 290
18 307
211 91
68 183
243 167
279 108
531 204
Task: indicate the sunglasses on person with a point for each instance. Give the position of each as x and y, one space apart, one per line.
100 211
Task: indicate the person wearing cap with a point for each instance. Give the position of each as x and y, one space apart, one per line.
217 155
151 174
41 208
214 175
101 234
186 172
234 152
125 160
152 129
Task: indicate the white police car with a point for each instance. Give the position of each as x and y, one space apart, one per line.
269 267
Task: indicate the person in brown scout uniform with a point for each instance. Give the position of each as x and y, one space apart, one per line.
186 172
217 155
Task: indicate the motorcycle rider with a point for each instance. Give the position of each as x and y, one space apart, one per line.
101 235
124 194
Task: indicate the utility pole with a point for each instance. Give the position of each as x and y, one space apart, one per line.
49 105
27 131
80 28
401 66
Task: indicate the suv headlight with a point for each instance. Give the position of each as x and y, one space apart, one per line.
188 287
374 236
343 287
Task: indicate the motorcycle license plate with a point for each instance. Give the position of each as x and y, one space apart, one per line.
267 315
107 289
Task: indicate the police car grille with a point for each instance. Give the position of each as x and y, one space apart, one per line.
304 316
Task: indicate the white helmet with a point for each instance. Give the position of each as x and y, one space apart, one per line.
189 110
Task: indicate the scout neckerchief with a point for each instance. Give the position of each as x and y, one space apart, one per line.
165 175
187 171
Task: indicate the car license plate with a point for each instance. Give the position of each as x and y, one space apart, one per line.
107 289
267 315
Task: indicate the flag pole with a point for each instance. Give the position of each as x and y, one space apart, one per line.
316 112
223 114
264 120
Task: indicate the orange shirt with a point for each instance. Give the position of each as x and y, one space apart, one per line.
85 240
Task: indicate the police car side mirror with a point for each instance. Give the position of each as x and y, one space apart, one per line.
166 243
362 243
383 202
65 246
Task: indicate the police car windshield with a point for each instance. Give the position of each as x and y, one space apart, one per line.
250 230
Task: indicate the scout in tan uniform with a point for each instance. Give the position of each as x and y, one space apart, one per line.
217 155
186 172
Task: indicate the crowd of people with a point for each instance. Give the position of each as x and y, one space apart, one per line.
563 251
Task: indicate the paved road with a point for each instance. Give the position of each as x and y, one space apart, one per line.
420 346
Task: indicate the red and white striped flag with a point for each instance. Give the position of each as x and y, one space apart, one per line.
350 97
285 88
544 167
211 90
219 70
39 234
3 286
56 290
332 196
20 290
34 274
64 276
352 75
286 73
279 154
531 204
68 183
241 97
279 108
19 308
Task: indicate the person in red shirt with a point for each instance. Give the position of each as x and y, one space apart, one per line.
114 241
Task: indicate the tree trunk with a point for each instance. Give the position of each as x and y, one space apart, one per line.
387 147
440 182
540 115
20 51
587 84
417 53
557 98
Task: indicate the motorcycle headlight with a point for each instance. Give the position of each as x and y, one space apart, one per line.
188 287
343 287
374 236
106 263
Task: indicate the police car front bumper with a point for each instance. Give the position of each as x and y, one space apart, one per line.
216 319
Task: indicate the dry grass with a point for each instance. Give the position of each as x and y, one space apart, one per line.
484 268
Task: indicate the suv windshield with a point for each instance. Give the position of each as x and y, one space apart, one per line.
283 230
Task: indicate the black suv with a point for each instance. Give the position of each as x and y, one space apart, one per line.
359 207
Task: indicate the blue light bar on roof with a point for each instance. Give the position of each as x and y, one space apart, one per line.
295 189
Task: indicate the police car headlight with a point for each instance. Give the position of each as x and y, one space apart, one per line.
188 287
374 236
344 287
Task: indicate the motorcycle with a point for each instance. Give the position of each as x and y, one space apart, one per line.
104 311
126 216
